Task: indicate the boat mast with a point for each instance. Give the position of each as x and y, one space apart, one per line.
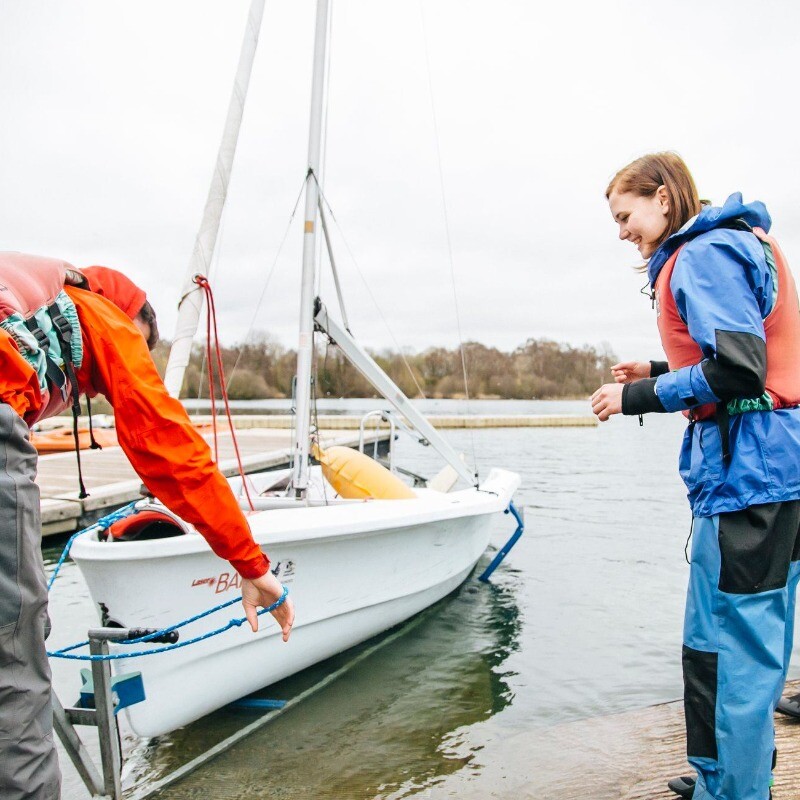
191 303
305 347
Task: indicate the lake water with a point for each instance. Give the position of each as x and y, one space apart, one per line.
583 619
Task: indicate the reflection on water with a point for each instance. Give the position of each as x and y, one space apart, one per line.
386 728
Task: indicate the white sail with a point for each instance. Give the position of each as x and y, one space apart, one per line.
191 301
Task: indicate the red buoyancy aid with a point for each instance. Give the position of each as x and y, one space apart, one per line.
781 329
43 323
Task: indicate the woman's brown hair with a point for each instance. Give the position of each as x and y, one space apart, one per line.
646 174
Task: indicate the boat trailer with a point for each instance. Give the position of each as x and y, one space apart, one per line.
101 698
107 693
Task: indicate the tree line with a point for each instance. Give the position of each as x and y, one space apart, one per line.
538 369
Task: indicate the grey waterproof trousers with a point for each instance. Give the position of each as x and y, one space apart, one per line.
28 762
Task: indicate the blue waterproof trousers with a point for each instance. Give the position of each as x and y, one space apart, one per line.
737 642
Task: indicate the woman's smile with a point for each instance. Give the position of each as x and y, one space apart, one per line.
642 220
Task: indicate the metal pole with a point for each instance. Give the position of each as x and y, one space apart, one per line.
75 748
306 340
366 365
110 756
191 302
333 268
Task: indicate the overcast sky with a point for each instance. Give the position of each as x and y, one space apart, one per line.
112 115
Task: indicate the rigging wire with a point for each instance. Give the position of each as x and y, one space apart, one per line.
267 282
447 223
369 291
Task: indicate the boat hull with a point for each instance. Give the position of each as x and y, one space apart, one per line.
353 572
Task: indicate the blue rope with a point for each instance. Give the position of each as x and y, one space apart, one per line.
102 524
236 622
105 523
158 633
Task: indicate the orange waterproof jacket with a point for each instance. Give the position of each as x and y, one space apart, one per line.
19 383
153 429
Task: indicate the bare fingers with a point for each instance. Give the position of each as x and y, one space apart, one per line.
607 400
284 616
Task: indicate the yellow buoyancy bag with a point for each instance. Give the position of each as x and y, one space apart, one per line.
354 475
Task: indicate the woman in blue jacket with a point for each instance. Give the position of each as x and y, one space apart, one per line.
728 315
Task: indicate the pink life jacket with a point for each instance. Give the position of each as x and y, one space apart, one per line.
781 329
43 322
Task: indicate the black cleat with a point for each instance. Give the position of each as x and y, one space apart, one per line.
683 787
789 706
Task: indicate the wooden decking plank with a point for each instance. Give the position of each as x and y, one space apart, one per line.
627 756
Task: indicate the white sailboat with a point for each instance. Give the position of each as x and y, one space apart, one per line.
355 568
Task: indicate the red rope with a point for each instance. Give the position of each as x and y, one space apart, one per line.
216 351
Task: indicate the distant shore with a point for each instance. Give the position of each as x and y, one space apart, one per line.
539 368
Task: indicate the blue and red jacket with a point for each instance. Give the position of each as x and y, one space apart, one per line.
726 301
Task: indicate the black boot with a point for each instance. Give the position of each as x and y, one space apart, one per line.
789 706
683 787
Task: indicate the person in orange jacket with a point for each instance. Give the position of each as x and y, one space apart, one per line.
172 459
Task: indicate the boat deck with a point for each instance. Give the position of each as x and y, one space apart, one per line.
111 481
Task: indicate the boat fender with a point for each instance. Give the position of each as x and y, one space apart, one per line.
356 476
144 525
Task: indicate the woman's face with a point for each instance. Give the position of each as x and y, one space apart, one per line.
642 220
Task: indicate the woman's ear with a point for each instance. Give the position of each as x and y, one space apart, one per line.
663 199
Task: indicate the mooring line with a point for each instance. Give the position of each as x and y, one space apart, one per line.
104 524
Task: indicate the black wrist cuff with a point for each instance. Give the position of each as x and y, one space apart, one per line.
658 368
640 397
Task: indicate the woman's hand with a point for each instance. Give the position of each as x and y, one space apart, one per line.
607 400
263 592
630 371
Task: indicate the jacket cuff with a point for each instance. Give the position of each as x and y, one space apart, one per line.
658 368
251 568
640 397
684 388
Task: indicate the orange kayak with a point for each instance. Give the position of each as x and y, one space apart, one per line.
61 440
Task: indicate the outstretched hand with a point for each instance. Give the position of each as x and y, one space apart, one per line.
262 592
607 400
629 371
